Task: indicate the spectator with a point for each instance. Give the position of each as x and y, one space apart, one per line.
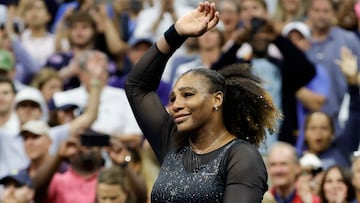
114 118
319 128
283 77
37 41
284 170
8 69
327 40
355 177
314 94
137 49
112 186
336 186
230 17
8 119
18 188
81 32
152 22
312 170
288 11
48 81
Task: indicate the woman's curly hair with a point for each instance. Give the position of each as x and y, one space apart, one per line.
248 109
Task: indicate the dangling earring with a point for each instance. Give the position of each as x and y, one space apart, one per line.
216 108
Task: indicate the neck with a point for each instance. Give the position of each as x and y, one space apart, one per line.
285 191
209 141
4 117
38 31
320 34
209 56
84 173
36 163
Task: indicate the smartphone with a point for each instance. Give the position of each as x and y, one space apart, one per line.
92 139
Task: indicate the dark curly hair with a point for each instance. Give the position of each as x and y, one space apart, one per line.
248 109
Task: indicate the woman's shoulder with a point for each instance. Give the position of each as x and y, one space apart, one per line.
241 150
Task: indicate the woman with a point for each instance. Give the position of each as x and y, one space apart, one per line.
336 186
201 143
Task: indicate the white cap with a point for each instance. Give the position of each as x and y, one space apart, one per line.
310 160
32 94
37 127
297 26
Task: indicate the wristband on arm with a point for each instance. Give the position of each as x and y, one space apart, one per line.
173 38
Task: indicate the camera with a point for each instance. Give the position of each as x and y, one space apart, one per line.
256 24
94 139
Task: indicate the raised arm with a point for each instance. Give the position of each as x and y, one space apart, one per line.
144 79
96 65
348 141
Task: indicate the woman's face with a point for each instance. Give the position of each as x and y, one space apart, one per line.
334 187
291 6
191 104
210 40
318 133
50 87
229 15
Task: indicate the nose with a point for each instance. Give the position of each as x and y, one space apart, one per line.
177 105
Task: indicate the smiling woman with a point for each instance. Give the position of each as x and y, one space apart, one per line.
206 141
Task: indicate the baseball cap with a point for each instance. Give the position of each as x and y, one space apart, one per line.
297 26
133 41
29 94
37 127
21 177
310 160
7 61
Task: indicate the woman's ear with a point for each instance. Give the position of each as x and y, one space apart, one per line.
218 98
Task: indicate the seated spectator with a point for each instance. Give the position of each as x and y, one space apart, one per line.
113 186
311 169
355 176
336 186
284 170
17 188
8 119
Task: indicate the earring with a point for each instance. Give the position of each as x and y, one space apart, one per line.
216 108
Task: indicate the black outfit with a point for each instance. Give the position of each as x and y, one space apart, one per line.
232 173
296 71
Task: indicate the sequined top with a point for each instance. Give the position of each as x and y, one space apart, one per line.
233 173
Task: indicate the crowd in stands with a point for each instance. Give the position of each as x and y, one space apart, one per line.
63 66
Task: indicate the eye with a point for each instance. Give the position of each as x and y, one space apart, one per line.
172 99
188 94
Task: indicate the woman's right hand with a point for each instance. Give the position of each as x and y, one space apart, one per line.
198 21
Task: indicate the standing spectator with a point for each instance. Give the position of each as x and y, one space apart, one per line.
288 11
327 41
313 96
8 119
37 41
113 118
152 22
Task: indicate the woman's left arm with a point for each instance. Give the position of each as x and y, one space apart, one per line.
246 175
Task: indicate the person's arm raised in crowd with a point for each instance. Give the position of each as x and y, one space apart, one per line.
121 157
349 140
105 25
42 178
144 79
97 66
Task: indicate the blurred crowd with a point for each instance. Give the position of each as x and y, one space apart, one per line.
67 133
